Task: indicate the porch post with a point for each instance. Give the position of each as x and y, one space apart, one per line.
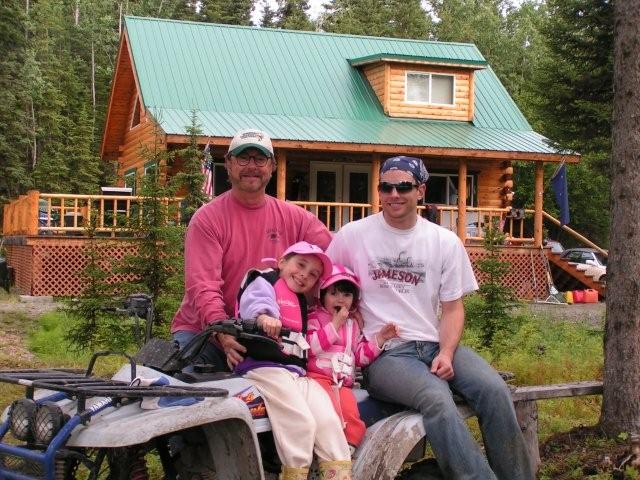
33 198
537 205
375 179
281 179
462 199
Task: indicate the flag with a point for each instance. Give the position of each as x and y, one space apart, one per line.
559 186
207 171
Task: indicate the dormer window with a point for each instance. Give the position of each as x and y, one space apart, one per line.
430 88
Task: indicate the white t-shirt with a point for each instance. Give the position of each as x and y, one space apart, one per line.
405 274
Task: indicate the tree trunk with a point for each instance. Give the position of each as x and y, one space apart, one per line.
621 397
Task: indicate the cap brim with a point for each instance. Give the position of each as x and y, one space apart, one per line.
242 148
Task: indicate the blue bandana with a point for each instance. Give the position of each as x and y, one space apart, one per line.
413 165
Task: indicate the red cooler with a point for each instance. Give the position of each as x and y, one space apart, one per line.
578 296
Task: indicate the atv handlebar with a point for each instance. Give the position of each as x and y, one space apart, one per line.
238 326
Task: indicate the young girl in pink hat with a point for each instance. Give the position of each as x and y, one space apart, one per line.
338 346
300 413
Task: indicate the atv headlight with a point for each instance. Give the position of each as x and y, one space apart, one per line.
22 415
48 422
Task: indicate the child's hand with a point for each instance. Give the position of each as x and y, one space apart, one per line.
340 317
269 325
389 331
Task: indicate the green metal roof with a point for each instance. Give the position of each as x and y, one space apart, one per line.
378 57
301 86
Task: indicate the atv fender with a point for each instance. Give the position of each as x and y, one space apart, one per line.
386 445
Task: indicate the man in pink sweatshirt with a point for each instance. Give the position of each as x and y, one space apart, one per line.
231 234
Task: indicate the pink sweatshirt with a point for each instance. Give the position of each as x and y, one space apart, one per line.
323 337
224 239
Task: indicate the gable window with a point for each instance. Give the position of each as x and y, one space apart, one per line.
431 88
135 117
130 180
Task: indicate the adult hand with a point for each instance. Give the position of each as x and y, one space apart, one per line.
269 325
232 349
442 366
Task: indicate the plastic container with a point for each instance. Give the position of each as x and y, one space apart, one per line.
568 297
578 296
590 296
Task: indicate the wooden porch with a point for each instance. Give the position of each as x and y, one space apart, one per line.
45 236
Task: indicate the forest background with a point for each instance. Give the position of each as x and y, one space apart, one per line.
555 57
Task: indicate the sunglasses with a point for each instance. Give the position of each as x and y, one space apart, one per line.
402 187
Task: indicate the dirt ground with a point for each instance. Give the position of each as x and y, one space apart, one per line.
17 316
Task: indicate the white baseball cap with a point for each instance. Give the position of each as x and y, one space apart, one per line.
251 138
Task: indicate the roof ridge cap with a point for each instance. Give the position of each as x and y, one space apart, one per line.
302 32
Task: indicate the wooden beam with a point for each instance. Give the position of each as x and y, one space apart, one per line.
281 179
375 179
33 197
537 202
471 96
394 150
462 200
387 87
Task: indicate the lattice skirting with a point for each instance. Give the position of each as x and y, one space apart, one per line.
50 266
527 275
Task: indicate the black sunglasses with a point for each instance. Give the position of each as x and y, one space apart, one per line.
402 187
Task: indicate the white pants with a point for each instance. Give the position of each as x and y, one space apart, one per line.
302 417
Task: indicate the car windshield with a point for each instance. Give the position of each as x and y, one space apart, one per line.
601 258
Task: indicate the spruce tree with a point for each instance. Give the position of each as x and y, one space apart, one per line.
408 20
292 15
269 16
230 12
14 131
357 17
158 235
190 179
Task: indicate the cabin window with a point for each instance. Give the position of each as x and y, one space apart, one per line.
429 88
150 168
130 180
442 189
135 117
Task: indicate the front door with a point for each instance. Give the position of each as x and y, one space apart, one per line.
339 183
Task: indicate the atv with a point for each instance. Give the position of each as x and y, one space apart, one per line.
156 419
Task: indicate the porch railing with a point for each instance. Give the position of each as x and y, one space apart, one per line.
53 213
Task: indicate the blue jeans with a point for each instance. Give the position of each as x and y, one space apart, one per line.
210 354
402 375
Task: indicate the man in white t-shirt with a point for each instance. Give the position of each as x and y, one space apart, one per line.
408 267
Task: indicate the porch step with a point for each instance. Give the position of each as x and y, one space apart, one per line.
573 276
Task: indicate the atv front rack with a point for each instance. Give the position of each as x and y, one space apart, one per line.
78 386
39 457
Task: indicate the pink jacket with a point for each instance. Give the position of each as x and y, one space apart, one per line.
327 343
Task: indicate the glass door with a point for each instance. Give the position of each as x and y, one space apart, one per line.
339 183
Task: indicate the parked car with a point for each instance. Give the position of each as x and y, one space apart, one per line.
588 256
590 260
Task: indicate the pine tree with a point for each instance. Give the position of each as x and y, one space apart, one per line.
357 17
159 237
409 20
190 179
292 15
230 12
269 16
14 132
571 93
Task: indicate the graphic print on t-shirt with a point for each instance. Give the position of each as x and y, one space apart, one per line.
273 234
401 273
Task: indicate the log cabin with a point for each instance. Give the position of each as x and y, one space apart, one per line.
335 106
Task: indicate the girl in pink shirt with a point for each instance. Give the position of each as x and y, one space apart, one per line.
338 346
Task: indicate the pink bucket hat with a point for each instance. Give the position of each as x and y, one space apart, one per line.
306 248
